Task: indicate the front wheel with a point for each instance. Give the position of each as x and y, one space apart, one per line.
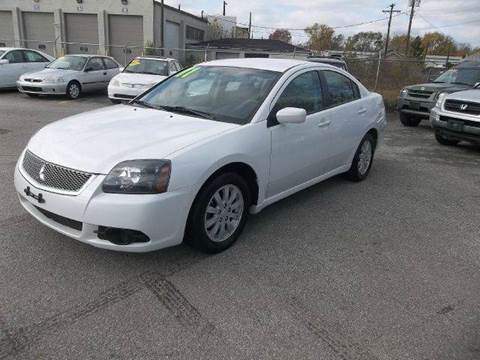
73 90
363 159
445 141
409 121
219 213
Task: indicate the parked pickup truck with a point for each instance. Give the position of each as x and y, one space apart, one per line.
456 117
416 101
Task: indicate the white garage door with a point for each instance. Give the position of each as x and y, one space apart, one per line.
39 31
172 35
81 33
6 28
125 30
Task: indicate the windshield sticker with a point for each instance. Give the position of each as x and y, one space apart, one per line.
135 62
187 72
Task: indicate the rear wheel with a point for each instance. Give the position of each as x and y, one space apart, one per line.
219 213
74 90
409 121
363 159
444 140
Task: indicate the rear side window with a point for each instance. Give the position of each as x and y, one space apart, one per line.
109 63
32 56
15 57
340 89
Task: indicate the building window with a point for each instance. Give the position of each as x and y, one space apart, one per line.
194 34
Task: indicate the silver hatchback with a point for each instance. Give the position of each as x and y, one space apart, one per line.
70 75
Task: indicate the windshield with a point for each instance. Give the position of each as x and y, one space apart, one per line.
68 63
2 52
147 66
460 76
226 94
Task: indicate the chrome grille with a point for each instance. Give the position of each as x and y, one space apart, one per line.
465 107
424 94
52 175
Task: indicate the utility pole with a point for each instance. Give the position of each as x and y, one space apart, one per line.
250 25
162 24
391 11
224 5
413 3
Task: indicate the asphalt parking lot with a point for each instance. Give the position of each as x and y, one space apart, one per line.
383 269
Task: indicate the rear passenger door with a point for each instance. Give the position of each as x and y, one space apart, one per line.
112 69
346 114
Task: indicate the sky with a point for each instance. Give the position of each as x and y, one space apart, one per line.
458 18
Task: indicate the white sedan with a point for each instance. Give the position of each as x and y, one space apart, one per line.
139 75
17 61
70 75
194 154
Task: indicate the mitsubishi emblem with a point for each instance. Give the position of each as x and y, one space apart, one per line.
41 173
463 107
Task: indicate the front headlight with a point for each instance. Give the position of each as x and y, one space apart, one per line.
138 177
54 79
115 82
404 92
440 98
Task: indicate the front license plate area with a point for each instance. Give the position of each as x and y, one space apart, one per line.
415 105
455 125
37 197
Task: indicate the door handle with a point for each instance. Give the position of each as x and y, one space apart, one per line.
324 123
362 111
105 73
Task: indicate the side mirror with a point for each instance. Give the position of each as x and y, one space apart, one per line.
476 86
291 115
4 61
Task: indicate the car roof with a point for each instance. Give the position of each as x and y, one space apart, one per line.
279 65
87 55
17 48
325 60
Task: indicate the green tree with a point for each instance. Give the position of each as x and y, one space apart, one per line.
435 43
321 37
367 41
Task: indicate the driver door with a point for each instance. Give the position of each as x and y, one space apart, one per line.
299 151
94 74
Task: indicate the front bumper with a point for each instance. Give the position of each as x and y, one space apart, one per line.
414 106
41 88
162 217
455 126
124 93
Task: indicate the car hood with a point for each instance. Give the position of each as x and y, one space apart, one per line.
98 140
437 87
468 95
49 72
138 79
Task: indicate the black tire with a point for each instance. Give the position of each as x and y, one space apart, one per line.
357 171
444 140
115 101
196 233
409 121
74 90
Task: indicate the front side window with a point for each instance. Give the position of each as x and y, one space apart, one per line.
303 92
95 64
15 57
147 66
69 63
340 88
202 90
33 56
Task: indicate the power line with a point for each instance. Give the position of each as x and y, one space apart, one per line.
444 26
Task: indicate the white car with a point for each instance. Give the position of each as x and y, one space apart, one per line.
70 75
17 61
194 154
139 75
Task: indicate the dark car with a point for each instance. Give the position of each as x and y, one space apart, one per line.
416 101
329 60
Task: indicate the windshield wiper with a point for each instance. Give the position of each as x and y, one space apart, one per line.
184 110
146 104
460 83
